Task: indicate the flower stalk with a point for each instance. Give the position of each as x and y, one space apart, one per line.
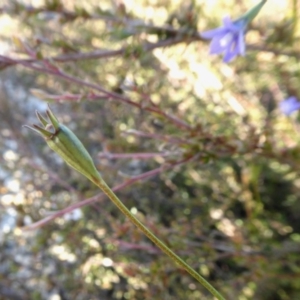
66 144
253 12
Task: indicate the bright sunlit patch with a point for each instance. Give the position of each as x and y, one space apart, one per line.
205 79
19 199
175 72
107 262
12 185
8 220
91 262
227 227
134 210
5 132
62 253
94 243
54 297
100 232
74 215
7 199
249 290
123 126
216 214
236 106
10 155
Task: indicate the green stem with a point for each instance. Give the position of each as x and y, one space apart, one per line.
106 189
295 16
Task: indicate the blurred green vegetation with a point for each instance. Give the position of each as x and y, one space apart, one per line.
232 212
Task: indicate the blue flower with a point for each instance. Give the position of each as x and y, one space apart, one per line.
228 39
289 105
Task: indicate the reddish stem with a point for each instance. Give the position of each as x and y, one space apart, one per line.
100 196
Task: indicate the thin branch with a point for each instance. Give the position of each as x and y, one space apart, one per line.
101 196
105 53
162 137
146 155
50 69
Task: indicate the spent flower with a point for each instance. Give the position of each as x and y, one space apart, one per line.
66 144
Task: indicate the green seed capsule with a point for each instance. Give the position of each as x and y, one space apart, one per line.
66 144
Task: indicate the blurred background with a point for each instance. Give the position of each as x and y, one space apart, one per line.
137 85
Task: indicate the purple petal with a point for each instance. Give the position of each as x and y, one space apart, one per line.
241 44
289 105
216 46
210 34
228 39
228 24
231 52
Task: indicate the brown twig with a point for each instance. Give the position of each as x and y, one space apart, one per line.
145 155
48 68
101 196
